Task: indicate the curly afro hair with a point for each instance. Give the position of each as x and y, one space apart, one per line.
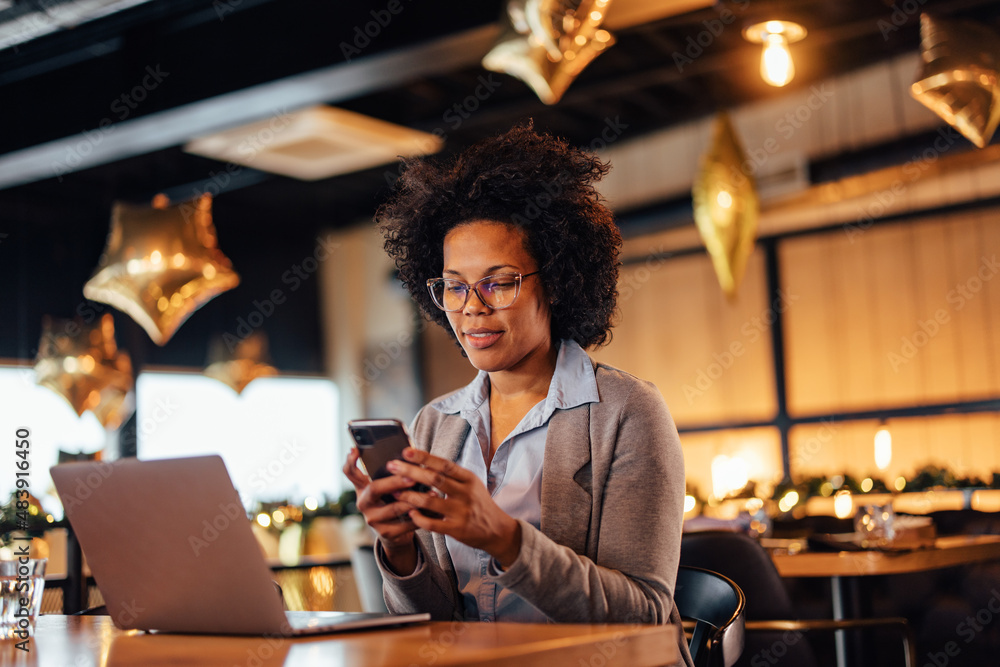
536 182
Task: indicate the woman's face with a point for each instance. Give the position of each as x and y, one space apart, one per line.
509 338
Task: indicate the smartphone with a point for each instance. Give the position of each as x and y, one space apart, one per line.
380 441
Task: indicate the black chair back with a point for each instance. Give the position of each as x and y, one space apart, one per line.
742 559
716 604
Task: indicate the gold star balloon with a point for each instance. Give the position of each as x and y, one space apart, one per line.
240 364
161 264
81 363
726 207
547 43
959 77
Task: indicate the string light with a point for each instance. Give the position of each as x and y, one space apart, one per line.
843 504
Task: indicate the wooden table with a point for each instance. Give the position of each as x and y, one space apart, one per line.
845 567
92 641
947 552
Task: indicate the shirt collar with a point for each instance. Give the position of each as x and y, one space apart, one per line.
573 384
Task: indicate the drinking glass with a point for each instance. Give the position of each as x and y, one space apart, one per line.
22 581
874 525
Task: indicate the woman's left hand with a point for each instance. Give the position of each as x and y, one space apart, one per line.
468 512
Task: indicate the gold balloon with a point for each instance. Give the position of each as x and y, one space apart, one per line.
726 207
959 77
161 264
81 363
239 366
547 43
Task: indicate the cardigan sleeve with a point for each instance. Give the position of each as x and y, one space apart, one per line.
427 589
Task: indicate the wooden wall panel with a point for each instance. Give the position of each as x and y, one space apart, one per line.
811 368
710 358
894 315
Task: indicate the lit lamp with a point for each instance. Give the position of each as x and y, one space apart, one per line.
843 504
729 475
883 448
776 66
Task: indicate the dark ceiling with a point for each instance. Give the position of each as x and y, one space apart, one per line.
65 84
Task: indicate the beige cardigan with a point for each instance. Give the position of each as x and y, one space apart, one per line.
612 512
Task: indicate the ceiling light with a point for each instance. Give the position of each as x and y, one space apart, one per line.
776 66
315 143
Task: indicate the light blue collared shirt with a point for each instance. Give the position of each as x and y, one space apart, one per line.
514 478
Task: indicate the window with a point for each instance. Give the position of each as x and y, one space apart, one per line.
53 426
280 439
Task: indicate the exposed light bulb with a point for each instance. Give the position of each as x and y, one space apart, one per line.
883 448
776 66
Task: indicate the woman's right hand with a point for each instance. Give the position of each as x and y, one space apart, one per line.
391 521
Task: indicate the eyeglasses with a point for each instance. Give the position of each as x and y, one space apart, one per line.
496 292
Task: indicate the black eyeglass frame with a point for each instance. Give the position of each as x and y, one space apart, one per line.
474 288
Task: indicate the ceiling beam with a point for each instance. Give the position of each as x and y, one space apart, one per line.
181 124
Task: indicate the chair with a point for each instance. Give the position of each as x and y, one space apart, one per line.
368 579
770 615
716 604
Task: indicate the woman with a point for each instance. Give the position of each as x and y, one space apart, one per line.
558 483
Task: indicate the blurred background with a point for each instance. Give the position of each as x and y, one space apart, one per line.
864 300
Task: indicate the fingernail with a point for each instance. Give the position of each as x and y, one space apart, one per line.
409 453
392 466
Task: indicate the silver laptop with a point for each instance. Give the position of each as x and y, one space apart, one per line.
171 549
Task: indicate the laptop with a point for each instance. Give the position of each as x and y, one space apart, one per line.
171 549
